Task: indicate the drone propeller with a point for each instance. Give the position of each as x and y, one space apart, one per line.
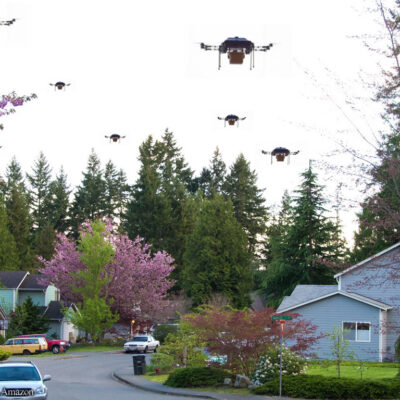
208 47
295 152
265 152
242 118
7 23
263 48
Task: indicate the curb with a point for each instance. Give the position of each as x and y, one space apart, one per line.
163 391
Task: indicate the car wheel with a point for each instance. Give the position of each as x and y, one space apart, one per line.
26 352
155 349
145 350
55 349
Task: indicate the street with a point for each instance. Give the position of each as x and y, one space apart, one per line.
88 376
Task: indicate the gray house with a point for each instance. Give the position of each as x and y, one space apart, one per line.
365 303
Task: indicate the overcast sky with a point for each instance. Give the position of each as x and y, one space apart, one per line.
136 68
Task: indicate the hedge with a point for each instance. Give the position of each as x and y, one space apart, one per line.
195 377
320 387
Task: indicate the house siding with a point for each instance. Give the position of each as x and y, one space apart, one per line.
7 300
36 296
333 311
55 327
51 294
379 279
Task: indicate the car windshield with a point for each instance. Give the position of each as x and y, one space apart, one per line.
14 373
140 339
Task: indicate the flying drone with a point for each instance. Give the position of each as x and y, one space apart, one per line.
8 23
115 137
231 118
236 48
280 153
59 85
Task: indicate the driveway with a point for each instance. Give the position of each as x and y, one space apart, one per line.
87 376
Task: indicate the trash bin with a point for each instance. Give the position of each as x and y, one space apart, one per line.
139 364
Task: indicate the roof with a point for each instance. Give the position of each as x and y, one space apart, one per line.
367 260
54 311
12 279
302 296
31 283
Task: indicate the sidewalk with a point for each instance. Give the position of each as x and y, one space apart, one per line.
126 375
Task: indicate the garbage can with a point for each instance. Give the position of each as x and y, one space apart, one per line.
139 364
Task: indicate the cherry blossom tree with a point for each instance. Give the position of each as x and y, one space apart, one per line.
138 282
8 102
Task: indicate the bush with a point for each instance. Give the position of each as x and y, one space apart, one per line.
319 387
268 365
161 361
161 331
397 349
195 377
2 339
4 355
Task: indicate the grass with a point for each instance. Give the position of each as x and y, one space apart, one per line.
95 348
162 378
350 371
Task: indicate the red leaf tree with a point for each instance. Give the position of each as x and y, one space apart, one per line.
243 336
139 280
10 101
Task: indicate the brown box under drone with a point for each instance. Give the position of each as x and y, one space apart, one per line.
236 57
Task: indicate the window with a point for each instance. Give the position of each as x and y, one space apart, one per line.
9 341
30 341
18 341
357 331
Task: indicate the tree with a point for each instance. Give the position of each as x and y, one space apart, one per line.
216 259
89 201
248 202
135 281
8 102
305 253
28 318
243 335
39 182
8 250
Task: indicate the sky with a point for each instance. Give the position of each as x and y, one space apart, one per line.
136 68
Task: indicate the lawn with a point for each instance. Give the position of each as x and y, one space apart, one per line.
352 371
96 348
230 390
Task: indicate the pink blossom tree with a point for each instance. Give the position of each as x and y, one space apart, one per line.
139 280
8 103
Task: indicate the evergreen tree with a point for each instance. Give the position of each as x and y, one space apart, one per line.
28 319
216 259
19 224
116 191
45 239
39 189
14 176
89 201
247 200
303 253
8 250
57 203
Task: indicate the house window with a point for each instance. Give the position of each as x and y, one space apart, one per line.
357 331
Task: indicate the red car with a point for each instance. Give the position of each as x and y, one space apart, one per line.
54 345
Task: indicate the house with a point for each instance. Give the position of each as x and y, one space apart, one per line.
365 303
17 286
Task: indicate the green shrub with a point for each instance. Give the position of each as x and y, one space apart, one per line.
2 339
161 361
268 365
4 355
319 387
397 349
161 331
195 377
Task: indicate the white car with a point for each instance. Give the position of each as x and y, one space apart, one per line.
22 380
142 343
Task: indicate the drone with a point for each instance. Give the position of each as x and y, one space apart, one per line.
281 153
231 118
115 137
236 48
8 23
59 85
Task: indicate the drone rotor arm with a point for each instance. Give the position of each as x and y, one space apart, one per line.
265 152
293 153
263 48
208 47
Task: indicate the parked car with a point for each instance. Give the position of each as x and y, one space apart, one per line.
22 380
142 343
53 345
25 345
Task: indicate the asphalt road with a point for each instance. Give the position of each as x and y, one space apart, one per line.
88 376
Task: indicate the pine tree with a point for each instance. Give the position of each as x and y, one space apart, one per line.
14 176
8 250
216 259
89 201
39 189
248 202
303 254
57 203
